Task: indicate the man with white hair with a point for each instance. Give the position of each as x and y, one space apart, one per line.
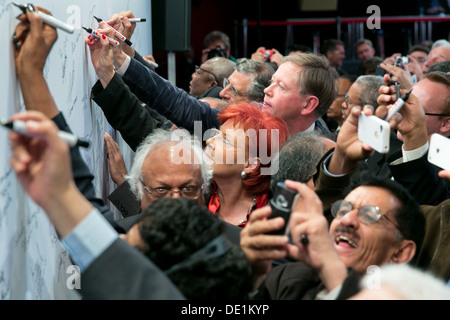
440 52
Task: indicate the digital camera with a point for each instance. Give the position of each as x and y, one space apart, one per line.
400 61
217 52
267 53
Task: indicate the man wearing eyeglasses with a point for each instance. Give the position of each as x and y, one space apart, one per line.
159 171
207 79
375 222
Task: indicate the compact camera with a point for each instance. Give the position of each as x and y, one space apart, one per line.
217 52
267 53
282 202
400 61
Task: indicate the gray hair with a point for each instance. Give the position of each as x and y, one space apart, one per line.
262 75
369 86
298 157
440 43
164 137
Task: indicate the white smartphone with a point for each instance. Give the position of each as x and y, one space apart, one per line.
374 132
439 151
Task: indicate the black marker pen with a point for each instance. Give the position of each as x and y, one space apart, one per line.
397 105
117 33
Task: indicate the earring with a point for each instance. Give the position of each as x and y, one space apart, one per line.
243 175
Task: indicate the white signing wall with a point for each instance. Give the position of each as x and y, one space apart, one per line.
33 263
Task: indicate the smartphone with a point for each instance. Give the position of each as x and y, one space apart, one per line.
374 132
282 202
439 151
379 71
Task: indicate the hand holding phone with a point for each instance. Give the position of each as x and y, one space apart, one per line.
439 151
282 202
374 132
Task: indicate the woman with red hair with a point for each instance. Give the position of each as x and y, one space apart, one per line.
241 154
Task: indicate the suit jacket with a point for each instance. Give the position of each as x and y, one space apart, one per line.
125 113
434 254
212 92
378 163
420 178
297 281
123 273
174 103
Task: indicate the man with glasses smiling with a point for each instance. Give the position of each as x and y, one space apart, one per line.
375 222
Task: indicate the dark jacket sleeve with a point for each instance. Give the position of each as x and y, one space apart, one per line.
139 58
125 113
168 100
421 179
83 177
123 273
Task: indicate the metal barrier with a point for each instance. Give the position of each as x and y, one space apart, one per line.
423 28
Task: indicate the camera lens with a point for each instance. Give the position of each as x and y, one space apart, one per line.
217 52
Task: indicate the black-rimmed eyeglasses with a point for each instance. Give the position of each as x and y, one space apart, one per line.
227 83
200 68
437 114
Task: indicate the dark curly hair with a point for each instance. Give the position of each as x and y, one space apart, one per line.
175 228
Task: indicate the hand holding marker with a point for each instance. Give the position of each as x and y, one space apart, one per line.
20 126
137 19
48 19
117 33
99 35
397 105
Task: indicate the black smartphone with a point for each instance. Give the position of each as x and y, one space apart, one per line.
282 203
379 71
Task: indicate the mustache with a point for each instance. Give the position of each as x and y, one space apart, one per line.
344 229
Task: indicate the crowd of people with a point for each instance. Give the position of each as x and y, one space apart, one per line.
196 204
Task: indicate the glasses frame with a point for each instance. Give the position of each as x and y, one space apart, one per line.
335 212
200 68
152 192
437 114
347 101
227 83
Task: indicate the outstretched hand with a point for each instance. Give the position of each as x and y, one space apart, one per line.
117 168
102 55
